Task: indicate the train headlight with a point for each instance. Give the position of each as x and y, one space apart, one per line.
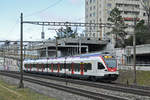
107 56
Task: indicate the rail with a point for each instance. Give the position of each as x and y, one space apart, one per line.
133 89
81 92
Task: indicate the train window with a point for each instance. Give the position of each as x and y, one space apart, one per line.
100 66
76 67
55 66
61 66
35 65
32 65
87 66
69 67
39 66
25 65
49 66
45 65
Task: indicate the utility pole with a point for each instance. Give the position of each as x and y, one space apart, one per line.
46 51
24 52
79 45
21 85
4 58
56 47
134 50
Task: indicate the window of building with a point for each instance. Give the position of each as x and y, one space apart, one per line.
119 4
90 15
94 14
94 28
109 5
94 34
100 20
90 28
87 2
90 1
91 8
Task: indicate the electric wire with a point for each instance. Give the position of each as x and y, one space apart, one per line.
40 11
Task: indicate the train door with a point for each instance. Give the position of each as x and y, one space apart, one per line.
94 67
81 68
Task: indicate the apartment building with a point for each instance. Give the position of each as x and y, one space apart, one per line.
97 11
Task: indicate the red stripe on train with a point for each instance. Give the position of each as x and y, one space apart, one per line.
51 67
58 69
72 68
81 68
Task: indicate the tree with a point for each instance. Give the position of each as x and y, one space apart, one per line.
146 6
142 34
119 27
68 32
7 43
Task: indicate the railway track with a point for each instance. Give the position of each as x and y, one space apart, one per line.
81 92
138 90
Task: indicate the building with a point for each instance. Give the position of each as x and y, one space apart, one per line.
97 11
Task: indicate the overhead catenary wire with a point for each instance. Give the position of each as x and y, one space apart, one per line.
40 11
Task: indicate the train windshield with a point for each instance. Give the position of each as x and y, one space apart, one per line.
111 63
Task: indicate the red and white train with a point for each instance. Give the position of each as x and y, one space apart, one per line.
93 67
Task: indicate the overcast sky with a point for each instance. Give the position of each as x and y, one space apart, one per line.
36 10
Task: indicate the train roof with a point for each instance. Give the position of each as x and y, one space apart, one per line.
77 56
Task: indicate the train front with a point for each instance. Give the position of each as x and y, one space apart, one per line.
111 65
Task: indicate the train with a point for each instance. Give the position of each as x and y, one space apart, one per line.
95 67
